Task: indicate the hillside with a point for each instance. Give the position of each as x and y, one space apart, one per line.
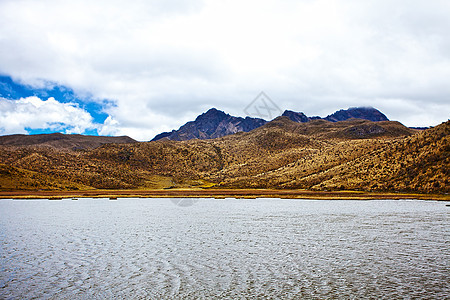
419 163
62 141
12 178
318 155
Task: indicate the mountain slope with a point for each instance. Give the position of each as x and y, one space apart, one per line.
418 163
12 178
318 155
62 141
281 142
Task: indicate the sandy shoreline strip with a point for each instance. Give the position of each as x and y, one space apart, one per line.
221 193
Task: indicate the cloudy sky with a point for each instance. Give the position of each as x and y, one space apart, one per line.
140 67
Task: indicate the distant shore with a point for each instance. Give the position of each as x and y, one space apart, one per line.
222 193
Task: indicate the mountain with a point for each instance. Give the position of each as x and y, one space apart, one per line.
320 155
296 116
215 123
417 162
62 141
354 154
212 124
366 113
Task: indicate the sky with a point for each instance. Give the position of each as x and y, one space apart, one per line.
141 67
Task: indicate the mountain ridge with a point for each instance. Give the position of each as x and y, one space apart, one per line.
366 113
215 123
212 124
316 155
62 141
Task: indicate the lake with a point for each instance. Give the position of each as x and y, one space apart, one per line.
231 248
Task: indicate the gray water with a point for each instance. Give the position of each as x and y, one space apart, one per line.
265 248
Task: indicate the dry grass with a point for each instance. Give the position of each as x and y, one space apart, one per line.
319 156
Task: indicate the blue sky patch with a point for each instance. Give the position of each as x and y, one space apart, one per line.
12 90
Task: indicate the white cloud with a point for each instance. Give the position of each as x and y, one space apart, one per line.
34 113
164 62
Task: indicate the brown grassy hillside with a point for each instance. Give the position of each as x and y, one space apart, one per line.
62 141
12 179
318 155
416 163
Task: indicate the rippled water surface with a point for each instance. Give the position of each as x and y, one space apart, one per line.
265 248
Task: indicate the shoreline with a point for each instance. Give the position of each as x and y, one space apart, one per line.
223 193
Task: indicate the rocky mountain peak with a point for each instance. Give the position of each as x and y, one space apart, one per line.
212 124
212 113
296 116
366 113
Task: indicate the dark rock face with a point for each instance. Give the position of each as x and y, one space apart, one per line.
366 113
212 124
296 116
162 135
